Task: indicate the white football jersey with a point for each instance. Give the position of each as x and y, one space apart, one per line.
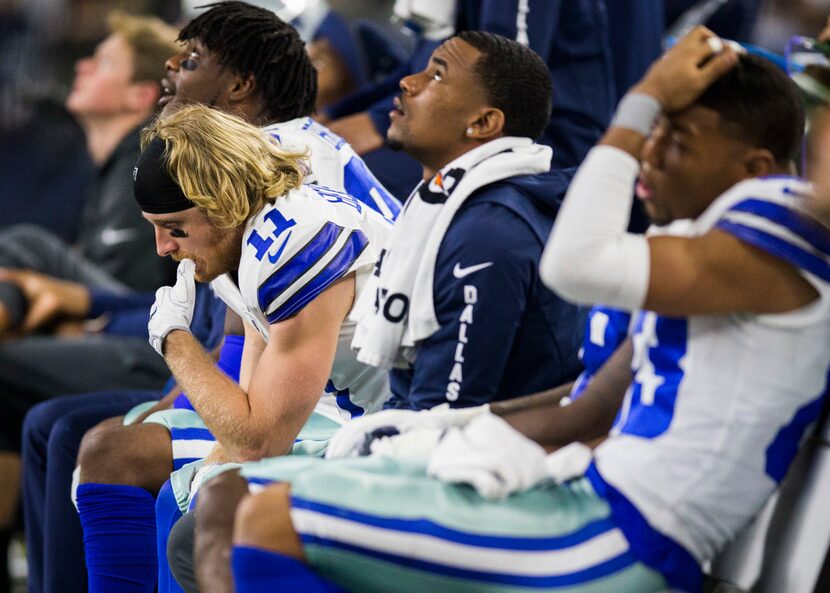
720 403
291 252
334 163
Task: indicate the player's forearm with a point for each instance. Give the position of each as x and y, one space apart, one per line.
590 257
535 401
588 418
249 425
220 402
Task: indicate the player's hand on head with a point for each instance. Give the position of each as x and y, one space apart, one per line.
174 305
686 70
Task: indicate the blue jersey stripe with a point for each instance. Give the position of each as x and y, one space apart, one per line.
427 527
336 269
780 248
650 546
810 231
344 401
191 434
180 463
598 571
299 264
359 182
783 448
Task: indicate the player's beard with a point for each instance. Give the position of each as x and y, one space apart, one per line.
223 256
394 144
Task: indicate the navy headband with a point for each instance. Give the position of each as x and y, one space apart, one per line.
155 190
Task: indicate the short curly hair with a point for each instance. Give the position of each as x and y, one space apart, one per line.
762 104
517 82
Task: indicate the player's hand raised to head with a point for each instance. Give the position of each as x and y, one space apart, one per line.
686 70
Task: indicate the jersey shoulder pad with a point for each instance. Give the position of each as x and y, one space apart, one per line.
297 253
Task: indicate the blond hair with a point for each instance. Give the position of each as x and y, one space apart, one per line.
151 40
224 165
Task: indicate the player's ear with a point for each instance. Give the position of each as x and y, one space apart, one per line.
488 125
143 96
242 87
759 162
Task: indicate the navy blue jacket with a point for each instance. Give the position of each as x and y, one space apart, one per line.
130 313
503 333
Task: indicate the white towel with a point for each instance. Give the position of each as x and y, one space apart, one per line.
395 310
492 457
489 455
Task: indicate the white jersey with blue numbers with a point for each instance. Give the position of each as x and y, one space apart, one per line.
291 252
719 404
334 163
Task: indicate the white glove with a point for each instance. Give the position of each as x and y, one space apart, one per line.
358 433
173 308
569 462
489 455
415 444
436 18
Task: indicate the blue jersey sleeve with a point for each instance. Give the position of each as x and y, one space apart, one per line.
483 274
605 330
102 301
130 313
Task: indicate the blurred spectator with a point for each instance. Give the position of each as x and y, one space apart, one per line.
115 91
572 37
731 19
819 167
44 168
781 19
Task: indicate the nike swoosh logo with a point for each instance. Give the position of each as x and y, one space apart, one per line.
460 272
116 236
273 257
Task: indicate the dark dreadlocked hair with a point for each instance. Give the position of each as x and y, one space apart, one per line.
251 40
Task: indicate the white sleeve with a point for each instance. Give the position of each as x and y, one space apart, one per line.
590 257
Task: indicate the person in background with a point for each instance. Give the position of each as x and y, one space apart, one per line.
244 60
456 305
733 256
115 91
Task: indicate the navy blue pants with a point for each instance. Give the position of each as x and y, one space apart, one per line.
52 434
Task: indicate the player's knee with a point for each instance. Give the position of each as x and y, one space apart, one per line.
217 500
124 454
263 520
103 426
